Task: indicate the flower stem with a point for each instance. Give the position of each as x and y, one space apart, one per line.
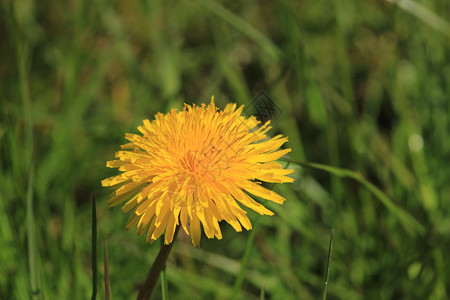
159 263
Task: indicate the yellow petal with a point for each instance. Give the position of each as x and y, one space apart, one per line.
117 199
195 230
115 163
268 157
144 222
170 230
250 203
262 192
111 181
150 231
183 219
132 186
132 221
130 204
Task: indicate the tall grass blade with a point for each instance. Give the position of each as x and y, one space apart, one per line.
31 237
410 224
240 278
327 276
424 14
22 60
107 283
238 23
164 286
263 292
94 250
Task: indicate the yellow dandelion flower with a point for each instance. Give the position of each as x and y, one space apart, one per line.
192 167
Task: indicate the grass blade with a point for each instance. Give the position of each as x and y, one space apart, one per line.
94 250
23 54
31 237
244 262
238 23
107 284
164 286
424 14
263 293
327 276
410 224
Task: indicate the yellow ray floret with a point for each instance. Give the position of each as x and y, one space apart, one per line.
195 168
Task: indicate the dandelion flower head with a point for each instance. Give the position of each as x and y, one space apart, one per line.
196 166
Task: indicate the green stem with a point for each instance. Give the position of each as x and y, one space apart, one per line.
159 263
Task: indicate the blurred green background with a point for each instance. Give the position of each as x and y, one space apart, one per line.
361 85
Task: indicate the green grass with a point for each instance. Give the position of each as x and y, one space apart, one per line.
363 87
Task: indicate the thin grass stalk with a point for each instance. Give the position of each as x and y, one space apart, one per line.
107 284
23 53
31 238
164 285
327 276
263 292
94 250
244 262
